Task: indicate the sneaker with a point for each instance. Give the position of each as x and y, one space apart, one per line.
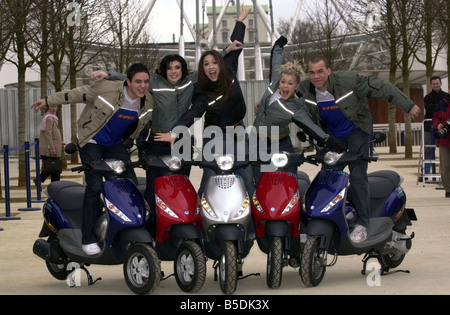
91 249
359 234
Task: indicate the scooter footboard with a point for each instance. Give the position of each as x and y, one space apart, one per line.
324 228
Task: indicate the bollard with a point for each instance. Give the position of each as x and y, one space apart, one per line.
38 171
7 189
27 173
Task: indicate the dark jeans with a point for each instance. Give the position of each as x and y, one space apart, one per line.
92 204
358 192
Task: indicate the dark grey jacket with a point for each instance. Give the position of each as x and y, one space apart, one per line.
351 92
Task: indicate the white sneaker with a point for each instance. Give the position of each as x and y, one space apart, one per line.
359 234
91 249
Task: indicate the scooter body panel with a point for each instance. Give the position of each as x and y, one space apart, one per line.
326 198
128 208
54 216
176 203
278 198
395 204
225 215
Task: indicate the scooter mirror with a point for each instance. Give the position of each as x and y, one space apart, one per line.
70 148
301 136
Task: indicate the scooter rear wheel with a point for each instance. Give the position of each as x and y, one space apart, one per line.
142 269
228 268
275 263
313 262
190 267
59 271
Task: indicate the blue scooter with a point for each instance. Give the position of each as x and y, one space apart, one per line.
329 216
121 229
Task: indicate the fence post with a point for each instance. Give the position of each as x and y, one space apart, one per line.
7 191
27 173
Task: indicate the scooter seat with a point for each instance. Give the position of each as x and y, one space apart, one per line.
382 183
68 195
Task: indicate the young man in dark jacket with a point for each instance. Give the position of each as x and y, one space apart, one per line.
431 101
114 111
338 102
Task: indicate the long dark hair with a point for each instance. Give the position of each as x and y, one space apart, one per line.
165 63
224 84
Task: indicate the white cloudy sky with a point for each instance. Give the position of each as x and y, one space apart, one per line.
165 16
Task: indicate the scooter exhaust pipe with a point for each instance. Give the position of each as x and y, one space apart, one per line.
44 250
400 243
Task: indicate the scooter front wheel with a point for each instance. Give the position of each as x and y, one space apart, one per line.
142 269
275 263
190 267
228 267
313 262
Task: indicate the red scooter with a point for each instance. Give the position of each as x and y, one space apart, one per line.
276 214
178 222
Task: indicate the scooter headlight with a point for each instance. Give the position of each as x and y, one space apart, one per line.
116 165
257 204
280 159
148 213
162 205
244 206
199 207
331 157
111 207
225 162
173 162
207 208
333 202
291 203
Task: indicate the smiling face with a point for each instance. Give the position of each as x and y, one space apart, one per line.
138 86
288 86
211 68
318 74
174 72
436 85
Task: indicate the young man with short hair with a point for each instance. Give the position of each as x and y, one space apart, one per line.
114 111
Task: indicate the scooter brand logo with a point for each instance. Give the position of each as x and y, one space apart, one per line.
374 277
74 276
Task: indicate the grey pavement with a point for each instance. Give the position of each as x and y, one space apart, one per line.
21 272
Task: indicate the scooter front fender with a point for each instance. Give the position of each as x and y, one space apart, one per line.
229 232
277 228
134 235
323 228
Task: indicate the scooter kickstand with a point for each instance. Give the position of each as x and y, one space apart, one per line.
90 281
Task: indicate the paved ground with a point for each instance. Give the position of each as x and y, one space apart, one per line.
21 272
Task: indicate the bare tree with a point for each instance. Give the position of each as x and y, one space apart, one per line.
128 20
18 12
432 38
